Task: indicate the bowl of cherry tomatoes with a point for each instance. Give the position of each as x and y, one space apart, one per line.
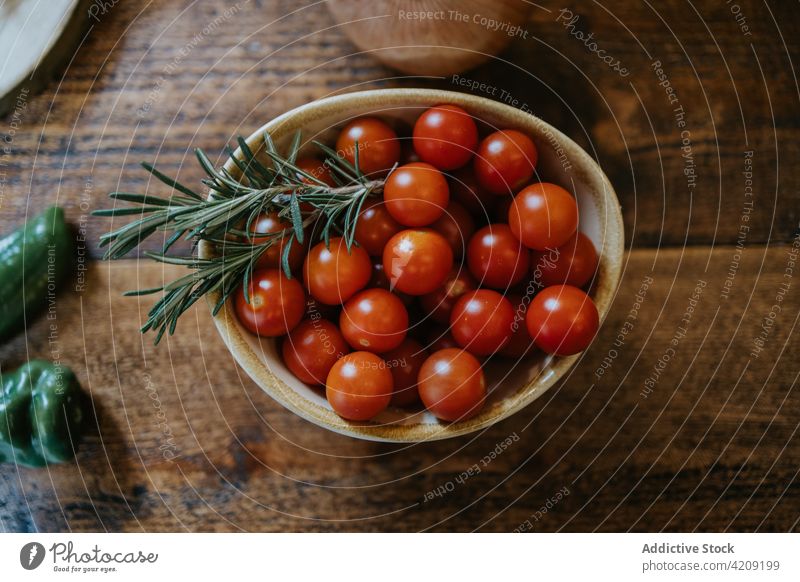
481 269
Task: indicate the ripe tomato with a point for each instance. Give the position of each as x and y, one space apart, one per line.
465 189
380 280
269 223
374 228
374 320
359 386
441 339
496 258
405 361
573 263
315 310
452 385
520 343
277 303
316 168
543 216
312 349
481 321
416 194
505 161
562 320
378 148
333 275
417 261
457 226
445 136
439 304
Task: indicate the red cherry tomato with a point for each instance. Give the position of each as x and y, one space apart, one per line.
573 263
374 228
407 153
457 226
501 208
380 280
505 161
416 194
441 339
562 320
312 349
374 320
405 361
465 189
270 223
481 321
333 275
417 261
316 310
277 303
378 148
452 385
496 258
520 343
439 304
445 136
359 386
316 168
543 216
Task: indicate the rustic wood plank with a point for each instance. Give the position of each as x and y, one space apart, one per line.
713 446
149 84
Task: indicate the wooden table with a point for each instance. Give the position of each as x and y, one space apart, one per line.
706 440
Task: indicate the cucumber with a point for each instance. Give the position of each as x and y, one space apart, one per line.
34 262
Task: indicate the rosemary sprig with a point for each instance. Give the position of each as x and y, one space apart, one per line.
224 219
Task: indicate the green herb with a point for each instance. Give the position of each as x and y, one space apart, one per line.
277 185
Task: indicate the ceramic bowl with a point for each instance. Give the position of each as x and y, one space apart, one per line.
512 385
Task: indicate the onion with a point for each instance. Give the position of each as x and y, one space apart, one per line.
431 37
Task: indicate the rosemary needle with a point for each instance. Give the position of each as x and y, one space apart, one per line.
224 219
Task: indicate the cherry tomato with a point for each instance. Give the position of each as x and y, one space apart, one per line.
441 339
374 228
378 148
405 361
457 226
407 153
417 261
562 320
452 385
316 168
269 223
505 161
439 304
445 136
277 303
481 321
501 208
543 216
315 310
359 386
374 320
573 263
312 349
520 343
333 275
416 194
496 258
465 190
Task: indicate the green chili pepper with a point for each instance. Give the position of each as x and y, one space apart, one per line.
43 414
34 260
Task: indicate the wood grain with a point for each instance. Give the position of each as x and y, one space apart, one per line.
154 80
713 447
